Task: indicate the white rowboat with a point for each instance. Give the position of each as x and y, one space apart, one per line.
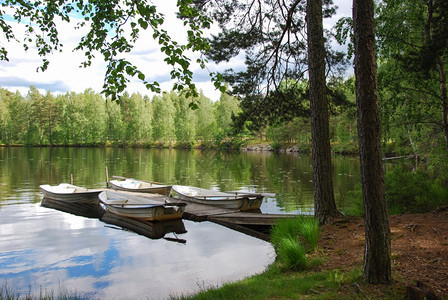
139 186
70 193
231 200
150 207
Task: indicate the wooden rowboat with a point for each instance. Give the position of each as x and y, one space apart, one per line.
139 186
70 193
231 200
150 207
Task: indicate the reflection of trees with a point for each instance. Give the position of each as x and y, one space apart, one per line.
288 175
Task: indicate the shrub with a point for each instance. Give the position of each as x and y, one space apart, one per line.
352 204
406 192
413 191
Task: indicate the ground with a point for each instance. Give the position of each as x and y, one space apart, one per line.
419 250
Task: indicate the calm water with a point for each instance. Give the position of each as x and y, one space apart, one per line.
74 250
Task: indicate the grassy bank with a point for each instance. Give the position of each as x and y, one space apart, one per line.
302 269
275 283
295 273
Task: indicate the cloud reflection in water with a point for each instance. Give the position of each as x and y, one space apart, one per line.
50 249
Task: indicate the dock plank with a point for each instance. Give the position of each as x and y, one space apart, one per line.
248 218
200 212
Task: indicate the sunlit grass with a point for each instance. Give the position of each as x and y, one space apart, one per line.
276 284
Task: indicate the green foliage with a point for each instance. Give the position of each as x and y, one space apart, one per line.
406 192
352 204
265 63
112 30
413 191
276 146
87 119
293 238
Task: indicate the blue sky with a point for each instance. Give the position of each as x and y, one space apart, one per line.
64 74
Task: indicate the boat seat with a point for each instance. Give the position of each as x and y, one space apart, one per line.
64 190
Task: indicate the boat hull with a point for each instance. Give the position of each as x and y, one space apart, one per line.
70 193
137 186
235 200
142 207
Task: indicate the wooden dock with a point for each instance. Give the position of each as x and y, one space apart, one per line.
255 224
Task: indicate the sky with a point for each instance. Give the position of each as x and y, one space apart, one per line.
64 73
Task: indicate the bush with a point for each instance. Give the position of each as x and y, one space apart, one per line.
414 191
406 192
352 204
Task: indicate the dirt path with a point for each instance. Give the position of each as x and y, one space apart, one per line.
419 250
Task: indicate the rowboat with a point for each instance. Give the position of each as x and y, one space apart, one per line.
231 200
152 230
70 193
139 186
150 207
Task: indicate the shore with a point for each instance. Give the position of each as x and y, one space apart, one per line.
419 245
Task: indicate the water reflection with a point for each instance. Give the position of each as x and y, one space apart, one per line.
49 248
86 210
289 175
152 230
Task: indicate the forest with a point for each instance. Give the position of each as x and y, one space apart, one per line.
166 120
88 119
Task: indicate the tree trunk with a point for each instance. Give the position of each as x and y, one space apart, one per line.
377 263
444 97
324 205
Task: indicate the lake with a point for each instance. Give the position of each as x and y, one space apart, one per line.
49 249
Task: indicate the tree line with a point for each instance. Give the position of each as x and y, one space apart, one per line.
166 120
89 119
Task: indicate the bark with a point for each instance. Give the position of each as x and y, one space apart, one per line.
324 204
377 263
443 91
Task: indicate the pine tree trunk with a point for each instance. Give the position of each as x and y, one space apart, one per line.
377 263
444 98
324 204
